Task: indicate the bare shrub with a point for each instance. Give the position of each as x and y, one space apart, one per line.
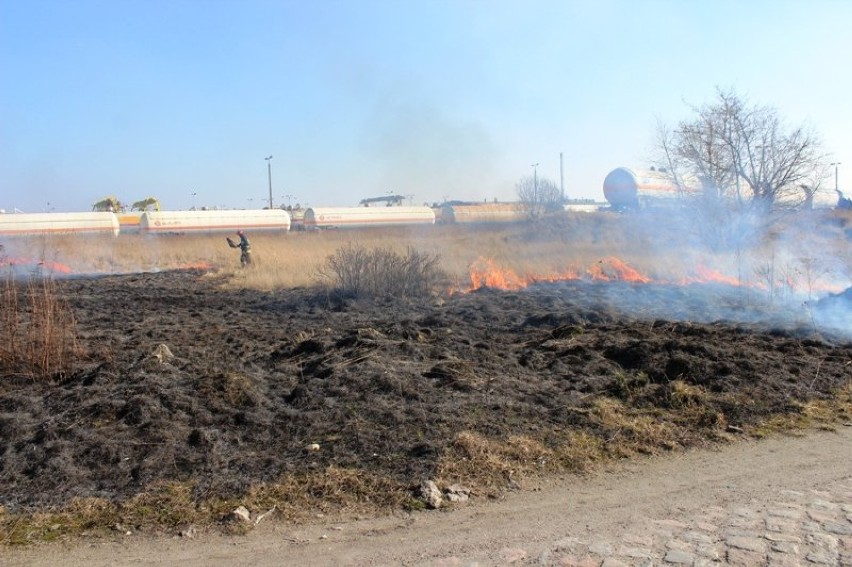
357 271
38 331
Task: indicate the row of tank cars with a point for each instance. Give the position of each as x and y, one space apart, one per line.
623 188
314 218
270 220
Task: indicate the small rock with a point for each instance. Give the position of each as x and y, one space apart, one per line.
677 557
239 514
431 494
457 493
188 533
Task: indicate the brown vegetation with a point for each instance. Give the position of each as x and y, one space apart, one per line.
38 334
207 388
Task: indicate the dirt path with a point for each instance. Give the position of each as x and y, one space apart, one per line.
779 500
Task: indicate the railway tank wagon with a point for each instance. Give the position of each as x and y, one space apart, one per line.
198 222
479 213
363 217
626 188
32 224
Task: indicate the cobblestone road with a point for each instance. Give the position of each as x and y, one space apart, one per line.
798 528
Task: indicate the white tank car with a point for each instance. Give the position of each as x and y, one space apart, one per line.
630 188
361 217
27 224
185 222
485 212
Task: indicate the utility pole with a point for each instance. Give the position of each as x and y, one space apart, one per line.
561 180
535 187
269 171
535 178
836 185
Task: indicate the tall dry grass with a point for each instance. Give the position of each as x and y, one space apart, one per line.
38 331
659 250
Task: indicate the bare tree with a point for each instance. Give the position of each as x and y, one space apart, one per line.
743 155
539 196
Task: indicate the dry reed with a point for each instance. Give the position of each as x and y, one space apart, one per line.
38 331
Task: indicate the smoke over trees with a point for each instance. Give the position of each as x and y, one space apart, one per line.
743 156
742 167
539 196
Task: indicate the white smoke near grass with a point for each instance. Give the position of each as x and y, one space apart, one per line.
792 269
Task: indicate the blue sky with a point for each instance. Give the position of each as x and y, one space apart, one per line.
354 99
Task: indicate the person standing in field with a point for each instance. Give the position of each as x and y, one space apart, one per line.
245 248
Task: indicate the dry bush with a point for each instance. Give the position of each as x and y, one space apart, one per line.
357 271
38 331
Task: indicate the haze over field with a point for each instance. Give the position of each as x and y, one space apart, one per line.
446 98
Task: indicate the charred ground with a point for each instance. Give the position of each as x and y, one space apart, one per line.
195 392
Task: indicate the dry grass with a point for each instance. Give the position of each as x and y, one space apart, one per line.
176 505
294 259
38 332
567 244
814 414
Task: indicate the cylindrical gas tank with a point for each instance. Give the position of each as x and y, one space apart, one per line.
24 224
182 222
625 188
485 212
362 217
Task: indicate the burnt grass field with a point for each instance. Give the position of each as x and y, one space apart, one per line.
190 398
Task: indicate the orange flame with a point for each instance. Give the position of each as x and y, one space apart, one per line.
485 272
46 265
199 265
612 268
706 275
56 267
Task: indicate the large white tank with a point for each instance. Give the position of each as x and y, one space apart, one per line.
486 212
361 217
25 224
625 188
181 222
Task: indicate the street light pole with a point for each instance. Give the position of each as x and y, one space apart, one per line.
836 186
269 171
535 181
